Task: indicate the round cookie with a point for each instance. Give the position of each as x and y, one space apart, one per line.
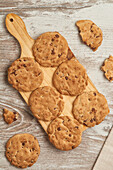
64 133
90 108
22 150
50 49
46 103
70 78
25 74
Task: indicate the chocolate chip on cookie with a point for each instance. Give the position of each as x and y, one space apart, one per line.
22 150
25 74
90 33
64 133
9 116
90 108
46 103
50 49
108 68
70 78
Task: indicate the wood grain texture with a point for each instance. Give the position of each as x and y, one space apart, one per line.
76 4
63 20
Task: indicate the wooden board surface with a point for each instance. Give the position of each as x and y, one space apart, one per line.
40 18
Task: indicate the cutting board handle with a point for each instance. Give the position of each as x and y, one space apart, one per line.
17 28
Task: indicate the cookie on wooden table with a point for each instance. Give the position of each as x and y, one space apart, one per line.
64 133
22 150
50 49
70 78
108 68
90 33
25 74
46 103
90 108
9 116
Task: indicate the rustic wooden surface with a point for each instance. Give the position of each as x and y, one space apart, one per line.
41 16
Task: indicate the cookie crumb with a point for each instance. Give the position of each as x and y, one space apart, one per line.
10 116
107 67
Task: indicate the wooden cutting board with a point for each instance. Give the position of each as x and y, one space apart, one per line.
16 27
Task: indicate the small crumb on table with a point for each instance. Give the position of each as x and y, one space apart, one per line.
9 116
108 68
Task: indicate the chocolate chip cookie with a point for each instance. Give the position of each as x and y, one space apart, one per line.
22 150
9 116
50 49
25 74
90 108
64 133
108 68
46 103
90 33
70 78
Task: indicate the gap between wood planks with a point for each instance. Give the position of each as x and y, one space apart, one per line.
98 161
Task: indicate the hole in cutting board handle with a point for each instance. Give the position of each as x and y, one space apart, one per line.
11 19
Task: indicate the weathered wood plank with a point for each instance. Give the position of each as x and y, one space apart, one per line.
77 4
105 160
62 20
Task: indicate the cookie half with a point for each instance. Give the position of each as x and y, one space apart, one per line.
25 74
90 108
46 103
108 68
22 150
70 78
50 49
90 33
64 133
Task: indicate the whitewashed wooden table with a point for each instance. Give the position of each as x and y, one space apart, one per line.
60 15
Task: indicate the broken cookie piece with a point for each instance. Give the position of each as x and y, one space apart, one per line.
90 33
9 116
108 68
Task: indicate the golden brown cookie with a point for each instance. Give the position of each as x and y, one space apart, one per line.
22 150
25 74
70 78
108 68
64 133
90 33
90 108
9 116
46 103
50 49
